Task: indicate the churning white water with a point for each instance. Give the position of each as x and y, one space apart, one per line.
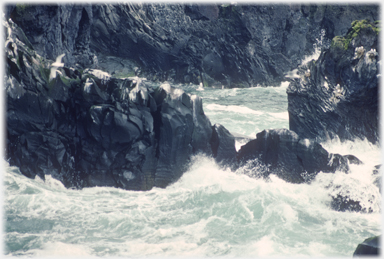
210 211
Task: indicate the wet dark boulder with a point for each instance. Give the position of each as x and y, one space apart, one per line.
290 157
343 203
223 146
336 96
182 130
87 128
344 199
353 160
369 247
378 176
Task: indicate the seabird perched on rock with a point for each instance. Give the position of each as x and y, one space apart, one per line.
308 73
55 66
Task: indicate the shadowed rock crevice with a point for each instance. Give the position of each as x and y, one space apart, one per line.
83 36
252 44
336 96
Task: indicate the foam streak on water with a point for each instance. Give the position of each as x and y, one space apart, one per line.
245 111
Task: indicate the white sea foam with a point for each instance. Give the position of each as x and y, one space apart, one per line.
280 115
173 92
229 92
284 85
240 143
60 249
264 246
233 109
209 211
167 87
314 56
200 88
366 151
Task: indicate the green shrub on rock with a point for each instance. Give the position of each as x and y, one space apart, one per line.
358 28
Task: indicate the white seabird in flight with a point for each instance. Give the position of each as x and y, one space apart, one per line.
55 66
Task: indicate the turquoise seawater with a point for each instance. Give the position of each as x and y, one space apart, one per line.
210 211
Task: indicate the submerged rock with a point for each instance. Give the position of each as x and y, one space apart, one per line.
337 95
353 159
370 246
290 157
345 203
297 160
364 200
378 176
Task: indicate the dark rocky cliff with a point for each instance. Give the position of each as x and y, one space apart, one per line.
337 94
229 45
87 128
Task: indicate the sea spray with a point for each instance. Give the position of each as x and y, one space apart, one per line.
320 44
210 211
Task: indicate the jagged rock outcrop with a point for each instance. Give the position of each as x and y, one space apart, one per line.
223 146
337 95
87 128
297 160
370 247
183 130
291 158
229 45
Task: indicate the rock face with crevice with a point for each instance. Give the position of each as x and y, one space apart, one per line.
217 45
87 128
55 29
336 96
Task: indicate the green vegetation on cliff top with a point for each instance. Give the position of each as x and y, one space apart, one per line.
357 28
